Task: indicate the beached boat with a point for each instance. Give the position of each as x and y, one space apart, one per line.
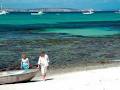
37 13
90 11
16 76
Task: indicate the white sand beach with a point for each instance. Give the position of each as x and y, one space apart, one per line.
99 79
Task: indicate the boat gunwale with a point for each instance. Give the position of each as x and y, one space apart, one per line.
18 74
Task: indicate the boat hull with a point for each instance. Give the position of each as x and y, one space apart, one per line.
3 12
36 13
88 12
15 77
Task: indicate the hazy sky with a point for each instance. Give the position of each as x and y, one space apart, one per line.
80 4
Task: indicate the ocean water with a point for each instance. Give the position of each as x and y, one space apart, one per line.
66 37
25 25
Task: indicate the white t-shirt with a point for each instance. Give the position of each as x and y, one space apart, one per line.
25 60
43 61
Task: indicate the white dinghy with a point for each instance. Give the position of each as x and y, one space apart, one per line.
16 76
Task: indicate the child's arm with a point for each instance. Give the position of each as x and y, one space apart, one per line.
28 63
39 62
48 59
21 64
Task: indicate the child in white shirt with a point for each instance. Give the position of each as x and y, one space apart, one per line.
24 62
44 63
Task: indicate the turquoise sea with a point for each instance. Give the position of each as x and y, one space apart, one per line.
69 38
25 25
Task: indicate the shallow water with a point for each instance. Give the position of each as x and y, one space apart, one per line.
94 32
24 25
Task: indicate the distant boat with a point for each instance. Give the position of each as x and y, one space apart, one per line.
2 12
16 76
37 13
90 11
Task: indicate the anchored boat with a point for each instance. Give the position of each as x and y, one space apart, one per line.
2 12
90 11
37 13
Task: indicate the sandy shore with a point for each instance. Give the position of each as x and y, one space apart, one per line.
99 79
83 67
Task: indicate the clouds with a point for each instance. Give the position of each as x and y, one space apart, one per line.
21 0
63 3
107 1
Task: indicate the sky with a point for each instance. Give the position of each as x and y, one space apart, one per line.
77 4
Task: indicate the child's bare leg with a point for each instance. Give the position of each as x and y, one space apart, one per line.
44 73
44 77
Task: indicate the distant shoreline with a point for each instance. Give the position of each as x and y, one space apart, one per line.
67 10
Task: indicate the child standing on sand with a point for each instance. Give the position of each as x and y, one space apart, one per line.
43 62
24 62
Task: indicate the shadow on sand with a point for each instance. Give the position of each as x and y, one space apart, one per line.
32 81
